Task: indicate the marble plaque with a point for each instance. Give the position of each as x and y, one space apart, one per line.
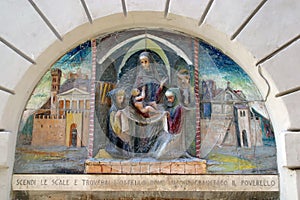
234 183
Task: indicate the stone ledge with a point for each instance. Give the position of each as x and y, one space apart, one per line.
145 167
146 195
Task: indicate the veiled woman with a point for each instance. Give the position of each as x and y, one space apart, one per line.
119 140
172 144
148 79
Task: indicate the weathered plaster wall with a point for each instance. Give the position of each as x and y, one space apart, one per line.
34 34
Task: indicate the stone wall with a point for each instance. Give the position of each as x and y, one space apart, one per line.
48 131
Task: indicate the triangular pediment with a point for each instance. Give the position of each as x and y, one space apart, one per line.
73 92
228 95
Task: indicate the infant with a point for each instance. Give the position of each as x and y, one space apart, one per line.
137 101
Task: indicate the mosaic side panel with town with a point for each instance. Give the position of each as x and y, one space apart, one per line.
146 101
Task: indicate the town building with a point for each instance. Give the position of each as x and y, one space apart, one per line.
232 116
65 122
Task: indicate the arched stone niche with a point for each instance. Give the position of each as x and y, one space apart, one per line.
217 132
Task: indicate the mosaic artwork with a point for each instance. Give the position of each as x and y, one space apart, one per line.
143 102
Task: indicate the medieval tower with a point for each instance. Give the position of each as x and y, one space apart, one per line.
55 86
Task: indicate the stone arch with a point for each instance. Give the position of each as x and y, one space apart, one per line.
236 50
75 37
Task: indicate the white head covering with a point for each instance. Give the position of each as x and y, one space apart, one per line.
169 93
144 55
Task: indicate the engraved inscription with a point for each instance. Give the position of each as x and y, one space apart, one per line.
145 183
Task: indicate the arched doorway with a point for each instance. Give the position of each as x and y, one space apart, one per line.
244 138
73 135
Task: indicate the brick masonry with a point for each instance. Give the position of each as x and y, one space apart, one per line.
145 167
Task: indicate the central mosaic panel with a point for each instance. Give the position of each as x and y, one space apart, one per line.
150 102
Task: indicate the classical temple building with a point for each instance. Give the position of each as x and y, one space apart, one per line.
64 119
